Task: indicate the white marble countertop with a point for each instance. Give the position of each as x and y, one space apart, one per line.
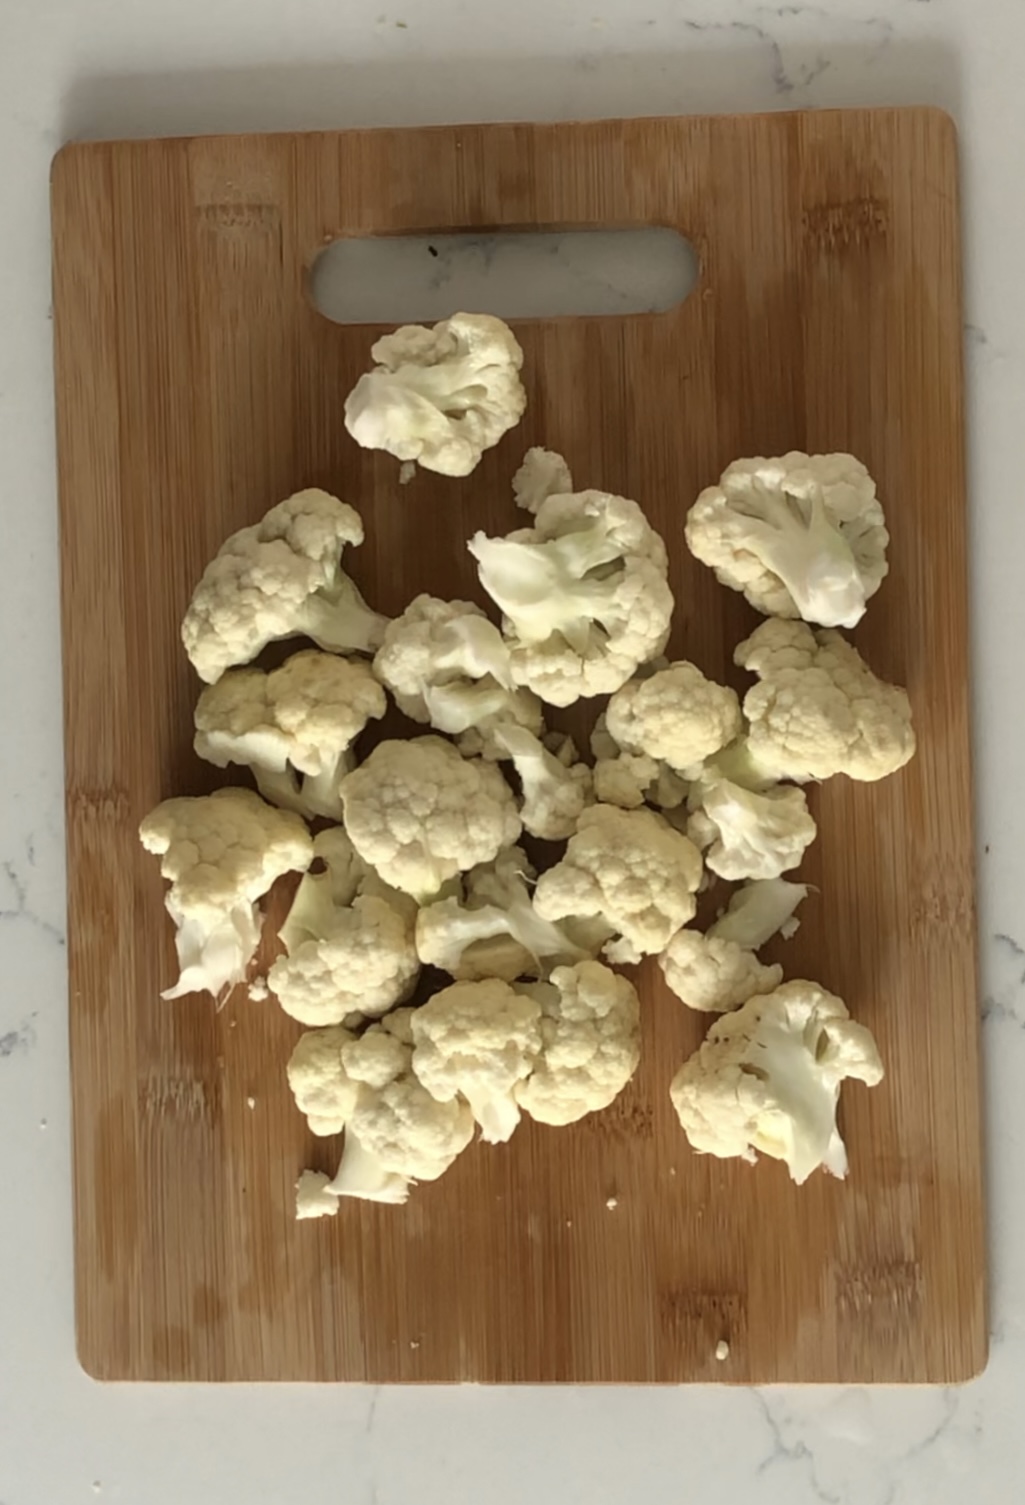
114 67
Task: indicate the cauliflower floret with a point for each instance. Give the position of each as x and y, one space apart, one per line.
300 719
624 780
591 1044
768 1076
396 1133
419 813
583 594
542 474
675 715
632 870
440 397
365 964
478 1040
281 578
750 835
603 745
496 932
344 958
713 975
323 1090
801 536
313 1197
631 780
552 795
819 710
738 765
221 853
758 911
447 665
319 894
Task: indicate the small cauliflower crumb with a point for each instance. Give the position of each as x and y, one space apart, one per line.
312 1198
612 1203
258 992
722 1350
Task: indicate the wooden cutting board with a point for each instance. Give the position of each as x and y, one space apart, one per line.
196 386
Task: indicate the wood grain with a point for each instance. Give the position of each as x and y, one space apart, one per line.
196 386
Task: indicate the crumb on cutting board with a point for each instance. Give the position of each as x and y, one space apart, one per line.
312 1198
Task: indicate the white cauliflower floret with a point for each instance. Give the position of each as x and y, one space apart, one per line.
364 964
440 397
301 719
711 974
583 594
344 875
631 780
630 869
738 765
281 578
768 1077
323 1090
749 835
552 795
221 853
603 744
419 813
758 911
478 1040
624 780
542 474
349 956
675 715
397 1133
819 710
447 665
590 1044
801 536
496 932
313 1197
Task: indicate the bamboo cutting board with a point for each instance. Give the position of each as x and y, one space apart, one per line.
196 386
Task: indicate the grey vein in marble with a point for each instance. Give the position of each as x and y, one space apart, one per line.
18 1041
22 910
1006 1003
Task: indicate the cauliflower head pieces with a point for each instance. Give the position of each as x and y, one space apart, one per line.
800 535
478 1040
583 594
420 813
819 710
631 869
675 715
221 852
280 578
590 1044
440 397
767 1078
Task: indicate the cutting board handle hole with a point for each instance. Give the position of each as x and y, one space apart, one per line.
529 274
